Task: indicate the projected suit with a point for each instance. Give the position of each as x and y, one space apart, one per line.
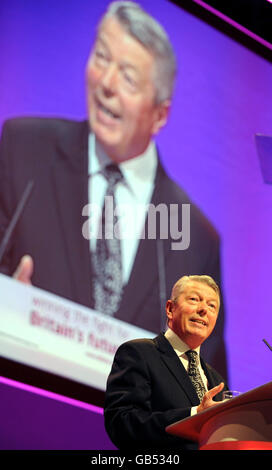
54 153
127 107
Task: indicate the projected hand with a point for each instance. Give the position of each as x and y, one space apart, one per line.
24 270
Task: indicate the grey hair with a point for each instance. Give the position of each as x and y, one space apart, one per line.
180 285
145 29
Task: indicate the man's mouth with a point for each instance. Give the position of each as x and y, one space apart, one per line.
198 321
109 112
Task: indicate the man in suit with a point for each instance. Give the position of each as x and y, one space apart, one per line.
156 382
130 78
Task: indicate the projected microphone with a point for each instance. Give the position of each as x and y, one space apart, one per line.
267 344
17 214
162 281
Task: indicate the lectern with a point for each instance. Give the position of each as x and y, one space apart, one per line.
243 422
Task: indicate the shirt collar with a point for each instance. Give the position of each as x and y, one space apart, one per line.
98 159
179 346
139 172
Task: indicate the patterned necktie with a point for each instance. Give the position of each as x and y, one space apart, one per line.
194 373
107 283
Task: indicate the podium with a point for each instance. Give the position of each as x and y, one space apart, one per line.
241 423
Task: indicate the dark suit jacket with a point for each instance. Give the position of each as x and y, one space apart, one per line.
148 389
54 153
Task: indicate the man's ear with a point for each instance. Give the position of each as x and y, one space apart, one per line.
169 307
161 116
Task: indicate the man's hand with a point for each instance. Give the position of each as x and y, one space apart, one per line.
207 400
24 270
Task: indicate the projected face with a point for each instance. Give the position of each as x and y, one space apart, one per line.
193 316
120 91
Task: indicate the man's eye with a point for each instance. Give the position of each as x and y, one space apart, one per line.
100 56
130 80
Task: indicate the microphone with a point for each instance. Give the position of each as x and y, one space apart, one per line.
17 214
267 344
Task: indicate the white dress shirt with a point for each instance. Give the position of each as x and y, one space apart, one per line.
132 197
180 349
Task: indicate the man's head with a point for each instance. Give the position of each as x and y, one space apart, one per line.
193 308
130 79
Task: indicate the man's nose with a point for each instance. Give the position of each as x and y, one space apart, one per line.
202 308
109 79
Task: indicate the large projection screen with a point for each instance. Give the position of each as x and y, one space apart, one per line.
223 98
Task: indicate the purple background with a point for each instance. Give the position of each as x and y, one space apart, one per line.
223 97
32 419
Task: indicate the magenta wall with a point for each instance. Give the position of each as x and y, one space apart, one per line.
223 97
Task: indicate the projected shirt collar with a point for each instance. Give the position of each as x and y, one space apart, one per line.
139 172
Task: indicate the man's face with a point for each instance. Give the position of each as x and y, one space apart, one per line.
121 94
193 316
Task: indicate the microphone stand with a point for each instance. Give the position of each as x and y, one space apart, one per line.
267 344
17 214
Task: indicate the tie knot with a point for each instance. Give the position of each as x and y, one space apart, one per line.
193 356
113 174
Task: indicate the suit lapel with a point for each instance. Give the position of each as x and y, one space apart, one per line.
212 382
209 376
146 259
176 368
70 180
